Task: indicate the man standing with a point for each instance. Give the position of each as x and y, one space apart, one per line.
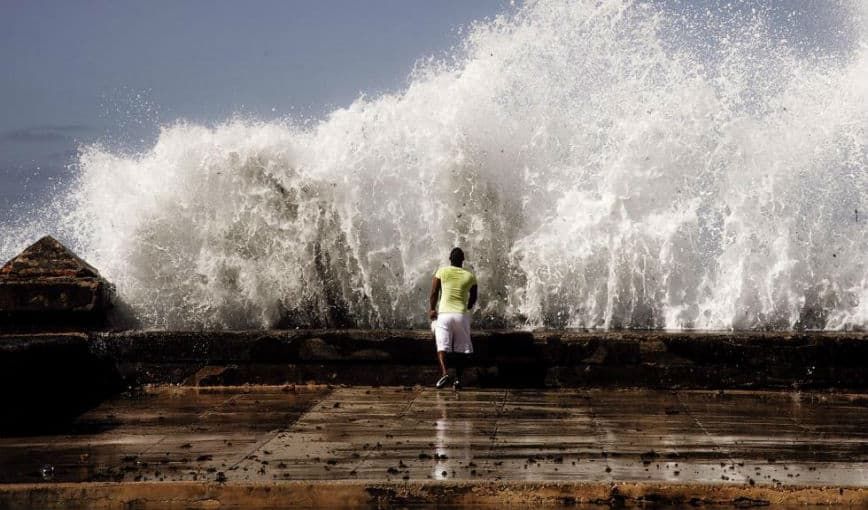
455 289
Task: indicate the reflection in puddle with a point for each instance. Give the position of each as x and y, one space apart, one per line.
453 439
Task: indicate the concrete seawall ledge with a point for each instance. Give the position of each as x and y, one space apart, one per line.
655 359
502 358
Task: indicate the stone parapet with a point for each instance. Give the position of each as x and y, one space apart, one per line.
725 360
503 358
49 288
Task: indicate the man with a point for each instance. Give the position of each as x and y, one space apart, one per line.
453 294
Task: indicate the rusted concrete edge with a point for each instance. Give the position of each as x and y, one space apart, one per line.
360 493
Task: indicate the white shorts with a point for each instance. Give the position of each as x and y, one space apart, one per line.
452 332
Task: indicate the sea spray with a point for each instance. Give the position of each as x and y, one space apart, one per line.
602 164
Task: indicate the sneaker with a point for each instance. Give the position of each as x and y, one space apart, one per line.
456 384
443 381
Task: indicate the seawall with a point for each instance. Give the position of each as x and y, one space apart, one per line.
755 360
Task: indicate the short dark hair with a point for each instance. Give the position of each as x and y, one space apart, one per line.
457 254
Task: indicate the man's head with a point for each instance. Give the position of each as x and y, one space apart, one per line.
456 257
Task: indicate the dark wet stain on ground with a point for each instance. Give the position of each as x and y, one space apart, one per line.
402 434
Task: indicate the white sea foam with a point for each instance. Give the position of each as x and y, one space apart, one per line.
602 163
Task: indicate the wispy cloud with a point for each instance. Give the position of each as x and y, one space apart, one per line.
47 133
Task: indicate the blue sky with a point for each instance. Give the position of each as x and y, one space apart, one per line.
112 71
76 71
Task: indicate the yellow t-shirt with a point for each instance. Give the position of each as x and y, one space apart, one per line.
455 285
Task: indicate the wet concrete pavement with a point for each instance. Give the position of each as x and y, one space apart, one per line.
412 435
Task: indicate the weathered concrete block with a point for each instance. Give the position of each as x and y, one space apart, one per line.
49 379
47 286
654 359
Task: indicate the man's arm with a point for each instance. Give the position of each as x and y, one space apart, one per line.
472 300
433 298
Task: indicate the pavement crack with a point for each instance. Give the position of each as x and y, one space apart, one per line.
364 458
498 412
713 439
272 434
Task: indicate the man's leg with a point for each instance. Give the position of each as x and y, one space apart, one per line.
441 357
458 360
441 339
463 347
444 379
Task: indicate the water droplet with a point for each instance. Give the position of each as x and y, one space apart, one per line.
47 472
